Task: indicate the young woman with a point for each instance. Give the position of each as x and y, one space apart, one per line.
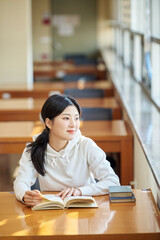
61 158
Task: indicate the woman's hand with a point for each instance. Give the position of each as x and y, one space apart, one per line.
32 198
69 192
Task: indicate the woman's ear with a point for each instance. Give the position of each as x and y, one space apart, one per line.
48 123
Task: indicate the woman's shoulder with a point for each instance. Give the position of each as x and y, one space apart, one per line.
26 153
86 141
89 147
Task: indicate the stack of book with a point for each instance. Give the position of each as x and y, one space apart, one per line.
121 194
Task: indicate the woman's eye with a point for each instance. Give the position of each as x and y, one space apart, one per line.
66 118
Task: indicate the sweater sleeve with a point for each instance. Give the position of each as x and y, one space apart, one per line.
26 176
101 170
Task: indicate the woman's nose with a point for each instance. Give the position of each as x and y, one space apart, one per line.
72 122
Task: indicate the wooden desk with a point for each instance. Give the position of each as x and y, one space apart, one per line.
54 70
20 109
111 136
43 90
28 109
54 63
107 102
118 221
103 84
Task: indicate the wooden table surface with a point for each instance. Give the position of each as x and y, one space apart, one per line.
28 109
102 84
111 136
68 68
118 221
44 89
54 63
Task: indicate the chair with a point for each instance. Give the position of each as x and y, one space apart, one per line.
96 114
80 59
85 61
74 56
36 185
85 93
77 77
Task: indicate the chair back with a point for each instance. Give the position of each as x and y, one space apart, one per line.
85 93
80 59
97 114
36 185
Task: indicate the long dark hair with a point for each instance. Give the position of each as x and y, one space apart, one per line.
52 107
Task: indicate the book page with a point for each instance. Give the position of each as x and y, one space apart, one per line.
50 201
48 205
52 197
80 201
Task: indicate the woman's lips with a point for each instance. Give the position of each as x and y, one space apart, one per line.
71 131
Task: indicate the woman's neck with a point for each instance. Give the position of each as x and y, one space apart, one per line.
57 145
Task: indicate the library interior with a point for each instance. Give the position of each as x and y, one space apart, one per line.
105 54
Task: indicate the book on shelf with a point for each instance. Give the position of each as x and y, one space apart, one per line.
120 191
122 199
50 201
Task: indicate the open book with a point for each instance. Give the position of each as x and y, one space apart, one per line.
50 201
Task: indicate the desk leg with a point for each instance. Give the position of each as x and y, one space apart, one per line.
126 164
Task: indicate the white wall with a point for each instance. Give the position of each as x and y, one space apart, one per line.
42 34
16 43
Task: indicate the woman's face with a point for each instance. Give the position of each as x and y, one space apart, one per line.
65 125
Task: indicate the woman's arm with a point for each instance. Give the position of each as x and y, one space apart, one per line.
32 198
26 176
100 168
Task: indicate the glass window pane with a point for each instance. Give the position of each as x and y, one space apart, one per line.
119 42
127 48
137 61
155 18
137 15
155 85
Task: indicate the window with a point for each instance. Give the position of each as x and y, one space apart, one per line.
127 48
155 18
155 86
137 57
137 15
